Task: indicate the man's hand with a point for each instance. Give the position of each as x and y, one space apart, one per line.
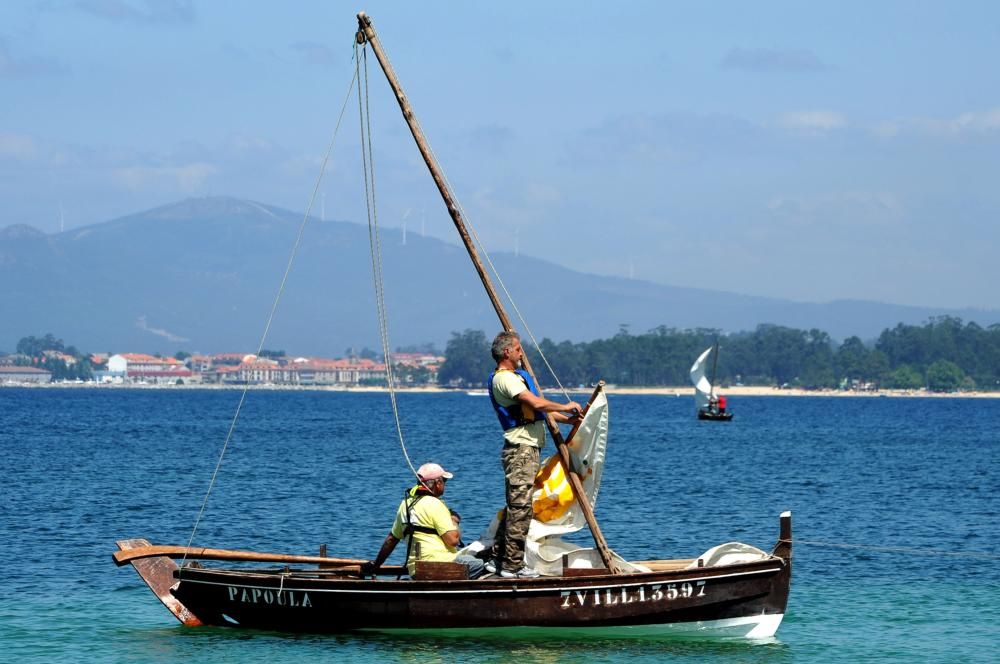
368 568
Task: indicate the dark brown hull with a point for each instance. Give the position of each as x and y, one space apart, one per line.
746 599
714 417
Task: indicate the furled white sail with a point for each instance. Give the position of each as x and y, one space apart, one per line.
702 388
556 512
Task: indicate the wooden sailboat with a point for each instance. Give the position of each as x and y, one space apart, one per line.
706 401
732 589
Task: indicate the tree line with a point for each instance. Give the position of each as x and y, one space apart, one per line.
942 355
31 351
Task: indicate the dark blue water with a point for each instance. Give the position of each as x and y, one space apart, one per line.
896 484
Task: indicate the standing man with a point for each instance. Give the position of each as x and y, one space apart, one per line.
521 411
430 528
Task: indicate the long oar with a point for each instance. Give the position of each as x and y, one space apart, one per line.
196 553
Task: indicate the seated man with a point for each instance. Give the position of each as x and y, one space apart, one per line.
430 528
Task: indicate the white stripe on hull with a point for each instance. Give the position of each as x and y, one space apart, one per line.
762 626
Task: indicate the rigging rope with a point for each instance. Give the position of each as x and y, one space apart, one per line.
270 316
375 245
510 298
493 269
902 549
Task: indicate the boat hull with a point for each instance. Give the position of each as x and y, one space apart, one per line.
739 597
714 417
745 598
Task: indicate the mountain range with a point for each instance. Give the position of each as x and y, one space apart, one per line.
202 275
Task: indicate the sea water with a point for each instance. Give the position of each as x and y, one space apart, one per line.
894 501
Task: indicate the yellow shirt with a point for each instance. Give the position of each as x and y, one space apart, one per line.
430 512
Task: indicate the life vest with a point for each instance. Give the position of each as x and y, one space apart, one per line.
412 497
518 414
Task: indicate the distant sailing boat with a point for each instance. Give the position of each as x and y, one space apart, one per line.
710 406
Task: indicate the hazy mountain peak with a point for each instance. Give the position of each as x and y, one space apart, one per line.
20 232
205 270
211 207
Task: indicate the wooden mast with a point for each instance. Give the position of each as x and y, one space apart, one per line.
715 364
366 33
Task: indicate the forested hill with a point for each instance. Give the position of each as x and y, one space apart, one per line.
201 276
942 355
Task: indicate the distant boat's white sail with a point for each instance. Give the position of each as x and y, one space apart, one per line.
702 388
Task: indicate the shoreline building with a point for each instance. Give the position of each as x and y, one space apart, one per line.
21 375
142 368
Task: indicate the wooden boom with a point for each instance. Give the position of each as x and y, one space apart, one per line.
366 33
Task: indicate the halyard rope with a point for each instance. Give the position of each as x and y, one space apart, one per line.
270 316
489 261
510 298
375 245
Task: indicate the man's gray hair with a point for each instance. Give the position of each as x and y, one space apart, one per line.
503 342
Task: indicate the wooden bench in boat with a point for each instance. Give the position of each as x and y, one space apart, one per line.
441 571
666 565
652 565
426 570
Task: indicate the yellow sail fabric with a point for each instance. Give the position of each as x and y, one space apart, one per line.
555 509
553 494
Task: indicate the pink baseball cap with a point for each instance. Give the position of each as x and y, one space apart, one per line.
432 471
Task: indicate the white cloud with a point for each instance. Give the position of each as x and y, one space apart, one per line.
841 209
541 194
968 123
18 146
985 121
769 60
15 66
187 178
160 332
239 143
887 129
813 121
144 11
314 53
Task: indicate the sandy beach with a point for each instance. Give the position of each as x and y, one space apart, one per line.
760 391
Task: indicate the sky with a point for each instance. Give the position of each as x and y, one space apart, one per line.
806 151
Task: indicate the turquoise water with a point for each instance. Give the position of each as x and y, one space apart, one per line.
896 484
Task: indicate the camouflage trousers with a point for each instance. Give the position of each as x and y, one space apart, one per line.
520 465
